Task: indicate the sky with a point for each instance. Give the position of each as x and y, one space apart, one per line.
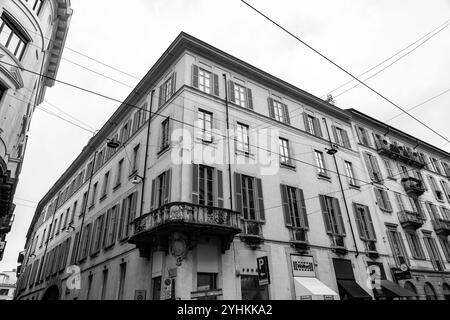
132 35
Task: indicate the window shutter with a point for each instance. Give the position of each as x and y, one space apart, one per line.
216 84
220 188
132 214
153 196
379 198
387 201
305 120
195 183
231 91
285 203
195 76
174 83
326 217
317 127
369 165
168 186
372 234
346 139
286 114
433 186
250 98
359 222
337 209
161 97
376 167
106 229
302 206
238 192
333 128
271 107
260 197
114 225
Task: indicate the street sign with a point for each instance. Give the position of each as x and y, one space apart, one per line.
263 271
402 273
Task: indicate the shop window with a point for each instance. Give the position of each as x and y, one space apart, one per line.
251 290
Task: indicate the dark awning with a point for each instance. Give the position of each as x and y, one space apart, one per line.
353 289
392 289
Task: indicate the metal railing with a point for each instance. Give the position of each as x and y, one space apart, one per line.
406 216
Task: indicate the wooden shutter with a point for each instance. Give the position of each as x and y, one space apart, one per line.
379 198
73 258
231 91
114 216
161 97
337 209
372 234
174 83
317 127
219 188
195 173
285 204
386 199
238 191
195 76
120 231
216 84
369 165
260 198
433 186
153 195
305 120
249 98
359 222
376 167
287 119
333 128
302 207
346 139
106 228
168 186
326 217
271 108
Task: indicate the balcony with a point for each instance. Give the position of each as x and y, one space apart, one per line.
410 220
413 187
158 227
252 233
399 153
371 249
299 239
6 223
338 244
441 227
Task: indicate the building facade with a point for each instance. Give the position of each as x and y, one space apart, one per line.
8 281
32 37
216 180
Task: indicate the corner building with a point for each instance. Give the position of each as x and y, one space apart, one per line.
32 37
142 215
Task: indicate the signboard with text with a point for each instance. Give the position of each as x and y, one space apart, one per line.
263 271
303 266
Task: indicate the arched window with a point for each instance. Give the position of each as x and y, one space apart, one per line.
446 291
430 294
409 286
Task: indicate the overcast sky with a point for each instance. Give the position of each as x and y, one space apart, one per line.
132 35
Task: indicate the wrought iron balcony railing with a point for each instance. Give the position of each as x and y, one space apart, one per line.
413 187
399 153
299 238
410 220
441 226
252 232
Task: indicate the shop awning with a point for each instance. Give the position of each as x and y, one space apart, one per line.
353 289
391 289
313 287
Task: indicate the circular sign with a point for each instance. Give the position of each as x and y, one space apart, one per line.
404 267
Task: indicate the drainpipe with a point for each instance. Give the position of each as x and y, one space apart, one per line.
144 175
342 189
228 142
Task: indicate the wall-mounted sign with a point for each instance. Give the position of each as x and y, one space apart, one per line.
168 289
140 294
209 293
263 271
402 273
303 266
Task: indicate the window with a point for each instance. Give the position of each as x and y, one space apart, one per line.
417 207
445 244
240 97
430 294
43 238
438 194
36 5
207 282
279 111
105 185
119 173
285 154
165 127
167 90
389 168
93 194
205 125
2 91
97 234
10 37
372 167
109 236
383 200
66 218
312 125
433 252
445 166
294 207
350 173
74 211
446 189
363 136
433 211
156 288
249 197
334 224
404 172
400 203
415 245
364 222
205 188
397 246
135 159
84 248
251 290
123 274
435 166
341 137
320 163
104 285
243 139
161 190
204 80
136 121
127 215
88 293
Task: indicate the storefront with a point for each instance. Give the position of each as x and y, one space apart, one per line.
385 289
307 286
349 289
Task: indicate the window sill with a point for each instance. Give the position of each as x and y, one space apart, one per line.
163 150
354 187
132 174
117 186
91 207
324 177
386 211
245 154
288 166
103 197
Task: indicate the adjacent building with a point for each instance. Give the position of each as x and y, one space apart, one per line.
8 281
217 180
32 37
